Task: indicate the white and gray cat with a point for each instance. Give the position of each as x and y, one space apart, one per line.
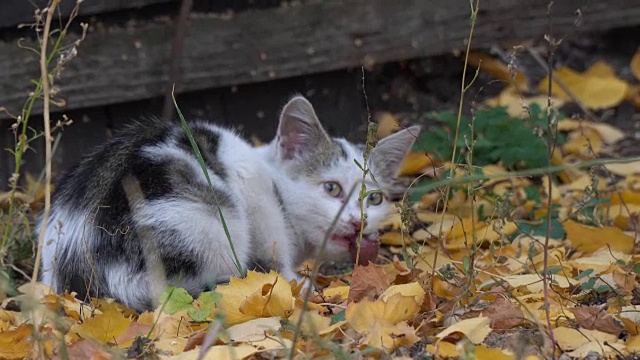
137 213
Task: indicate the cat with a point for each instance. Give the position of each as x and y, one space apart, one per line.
137 214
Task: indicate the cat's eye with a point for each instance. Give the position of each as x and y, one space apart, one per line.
374 198
332 188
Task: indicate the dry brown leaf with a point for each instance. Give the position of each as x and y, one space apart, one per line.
504 314
595 318
135 329
368 281
86 349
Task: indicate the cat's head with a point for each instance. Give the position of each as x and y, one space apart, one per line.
327 181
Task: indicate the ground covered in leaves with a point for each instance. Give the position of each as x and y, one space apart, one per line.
502 262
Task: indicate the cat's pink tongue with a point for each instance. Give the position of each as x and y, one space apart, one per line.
368 251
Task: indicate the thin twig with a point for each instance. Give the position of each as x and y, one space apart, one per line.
549 67
177 50
463 90
47 137
212 335
550 148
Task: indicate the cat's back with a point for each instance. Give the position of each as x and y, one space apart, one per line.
88 180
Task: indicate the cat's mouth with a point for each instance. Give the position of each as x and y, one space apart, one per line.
368 247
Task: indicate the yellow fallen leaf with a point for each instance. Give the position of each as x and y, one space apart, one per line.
395 238
256 295
271 343
599 261
534 284
581 183
499 70
219 352
333 328
411 289
414 163
343 291
570 339
517 105
608 133
171 345
586 143
103 328
382 323
443 349
586 350
483 352
312 323
387 124
597 88
635 64
171 326
254 330
627 197
633 344
475 329
624 169
16 344
589 238
445 289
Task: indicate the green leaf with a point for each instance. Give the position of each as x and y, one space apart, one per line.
589 284
533 193
554 270
338 317
584 274
557 231
175 299
466 264
207 300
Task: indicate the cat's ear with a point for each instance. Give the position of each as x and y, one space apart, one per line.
385 159
299 130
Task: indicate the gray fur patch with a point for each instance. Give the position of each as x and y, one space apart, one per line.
325 155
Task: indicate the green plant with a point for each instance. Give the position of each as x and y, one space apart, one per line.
497 137
15 223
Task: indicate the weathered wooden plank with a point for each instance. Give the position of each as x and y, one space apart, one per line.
117 65
14 12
